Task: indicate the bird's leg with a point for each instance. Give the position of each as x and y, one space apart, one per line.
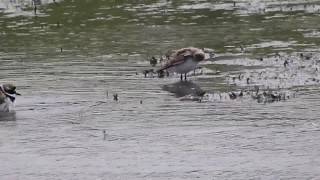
185 76
181 77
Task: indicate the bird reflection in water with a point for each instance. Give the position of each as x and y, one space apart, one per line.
186 90
7 116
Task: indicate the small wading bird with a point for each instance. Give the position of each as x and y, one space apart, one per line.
183 61
7 96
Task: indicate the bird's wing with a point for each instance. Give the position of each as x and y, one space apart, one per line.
179 57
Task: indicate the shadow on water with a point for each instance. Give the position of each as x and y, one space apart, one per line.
7 116
184 88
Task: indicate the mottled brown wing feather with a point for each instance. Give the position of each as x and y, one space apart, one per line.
178 58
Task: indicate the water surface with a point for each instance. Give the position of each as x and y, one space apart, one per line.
71 57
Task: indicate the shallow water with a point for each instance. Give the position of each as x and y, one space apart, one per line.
70 58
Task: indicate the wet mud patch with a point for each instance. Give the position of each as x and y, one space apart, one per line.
273 78
267 79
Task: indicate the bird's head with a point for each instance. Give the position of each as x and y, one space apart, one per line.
10 91
199 56
209 53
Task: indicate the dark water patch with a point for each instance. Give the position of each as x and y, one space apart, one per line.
9 116
184 88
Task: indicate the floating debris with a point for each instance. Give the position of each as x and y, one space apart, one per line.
104 134
286 63
261 96
115 97
232 95
148 73
161 74
153 61
270 96
288 71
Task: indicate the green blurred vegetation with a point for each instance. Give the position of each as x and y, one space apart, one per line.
150 27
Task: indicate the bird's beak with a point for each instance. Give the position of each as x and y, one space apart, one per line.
15 92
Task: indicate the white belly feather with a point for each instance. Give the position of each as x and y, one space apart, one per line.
6 106
185 67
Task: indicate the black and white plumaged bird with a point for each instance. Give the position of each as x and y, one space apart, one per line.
7 97
183 61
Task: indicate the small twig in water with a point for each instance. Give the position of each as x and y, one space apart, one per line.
115 97
104 135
